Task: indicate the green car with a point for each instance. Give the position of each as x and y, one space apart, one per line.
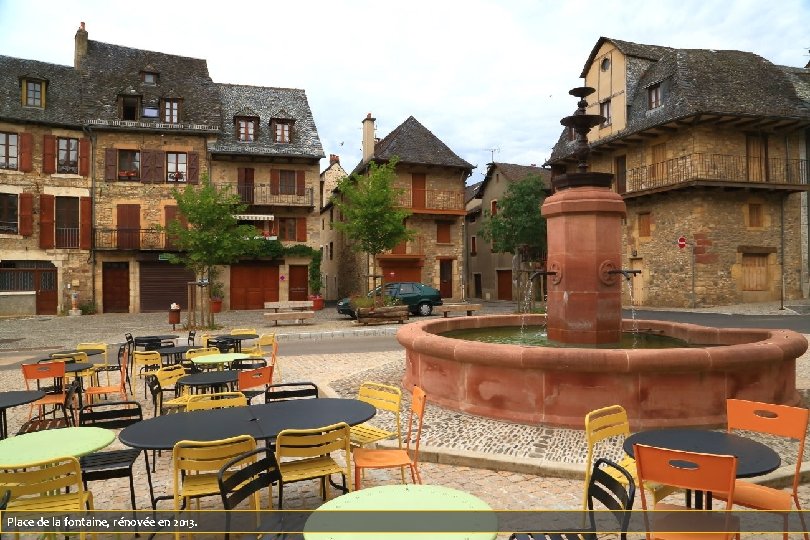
419 298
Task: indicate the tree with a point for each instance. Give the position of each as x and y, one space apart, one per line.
212 236
371 217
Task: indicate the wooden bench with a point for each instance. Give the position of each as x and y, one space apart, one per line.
304 305
447 308
289 316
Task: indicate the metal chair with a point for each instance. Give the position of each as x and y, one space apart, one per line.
42 422
249 380
215 400
287 391
35 374
104 367
120 389
144 362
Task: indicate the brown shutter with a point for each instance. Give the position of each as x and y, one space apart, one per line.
110 164
147 166
26 214
274 227
301 229
84 157
300 182
159 164
193 168
275 179
48 154
85 222
46 231
26 152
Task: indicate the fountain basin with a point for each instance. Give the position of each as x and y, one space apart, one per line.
657 387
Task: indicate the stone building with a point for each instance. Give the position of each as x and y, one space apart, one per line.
432 177
708 147
90 154
490 275
330 177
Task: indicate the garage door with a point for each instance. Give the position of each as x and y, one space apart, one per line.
163 283
401 272
253 284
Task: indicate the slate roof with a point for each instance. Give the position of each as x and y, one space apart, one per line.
471 191
267 103
417 145
111 70
703 81
513 172
63 92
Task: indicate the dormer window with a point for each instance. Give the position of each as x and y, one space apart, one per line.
129 107
149 77
654 96
171 111
33 93
282 130
246 129
151 112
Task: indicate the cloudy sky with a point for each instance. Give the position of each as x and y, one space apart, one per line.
489 78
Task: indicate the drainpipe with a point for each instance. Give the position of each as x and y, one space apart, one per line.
92 260
782 252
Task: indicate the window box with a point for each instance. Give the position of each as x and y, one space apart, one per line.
127 175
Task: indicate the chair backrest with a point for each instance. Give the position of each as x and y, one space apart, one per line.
601 424
128 337
249 363
111 414
45 479
203 351
73 401
308 443
94 346
216 400
287 391
238 331
69 358
381 396
193 457
156 391
267 339
254 378
244 475
168 375
612 494
418 401
204 339
46 370
147 359
191 335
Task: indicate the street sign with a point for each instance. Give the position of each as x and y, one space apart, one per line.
682 242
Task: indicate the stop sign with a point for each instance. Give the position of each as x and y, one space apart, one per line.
682 242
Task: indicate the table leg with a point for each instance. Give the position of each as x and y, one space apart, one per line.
3 425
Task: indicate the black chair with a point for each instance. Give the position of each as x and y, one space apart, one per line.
113 463
248 363
243 476
293 390
602 487
5 499
67 407
191 335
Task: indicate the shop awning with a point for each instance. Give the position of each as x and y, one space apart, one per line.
254 217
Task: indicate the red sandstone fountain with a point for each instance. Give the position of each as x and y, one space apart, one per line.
558 386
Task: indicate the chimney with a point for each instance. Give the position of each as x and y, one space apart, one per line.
81 46
368 138
334 158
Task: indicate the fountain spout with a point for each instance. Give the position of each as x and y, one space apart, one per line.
541 273
628 274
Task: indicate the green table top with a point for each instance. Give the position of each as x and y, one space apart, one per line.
53 443
221 358
413 497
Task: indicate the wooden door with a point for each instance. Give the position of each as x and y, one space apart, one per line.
253 284
658 167
638 291
418 184
477 288
45 283
115 287
504 284
446 278
129 226
245 185
756 158
299 279
755 271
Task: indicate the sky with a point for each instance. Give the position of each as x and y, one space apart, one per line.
489 78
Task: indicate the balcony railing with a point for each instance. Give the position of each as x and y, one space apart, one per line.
67 237
261 194
416 246
128 239
719 168
432 199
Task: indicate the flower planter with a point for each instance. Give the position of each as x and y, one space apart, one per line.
317 301
216 305
382 315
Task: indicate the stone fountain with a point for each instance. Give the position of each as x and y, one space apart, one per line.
558 386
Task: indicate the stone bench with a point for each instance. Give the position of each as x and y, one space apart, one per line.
448 308
305 305
289 316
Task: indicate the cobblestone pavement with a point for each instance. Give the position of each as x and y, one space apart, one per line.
511 451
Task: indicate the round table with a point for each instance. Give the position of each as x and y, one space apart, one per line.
175 351
53 443
235 339
218 359
474 518
153 341
262 421
12 398
212 379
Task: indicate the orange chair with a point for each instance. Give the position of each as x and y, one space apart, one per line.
254 378
780 420
687 470
368 458
34 373
120 389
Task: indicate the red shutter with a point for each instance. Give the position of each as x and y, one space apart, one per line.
301 229
84 157
26 152
26 214
147 166
110 164
46 231
48 154
274 227
159 163
240 176
85 222
300 182
193 168
275 180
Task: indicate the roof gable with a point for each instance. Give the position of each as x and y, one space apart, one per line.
513 172
416 144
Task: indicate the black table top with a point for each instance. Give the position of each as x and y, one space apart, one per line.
77 366
753 458
155 338
209 378
88 352
178 349
12 398
263 421
235 337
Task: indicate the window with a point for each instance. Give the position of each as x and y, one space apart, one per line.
67 222
129 165
286 229
67 156
149 77
493 208
286 185
604 110
33 93
176 166
281 131
8 150
654 96
473 245
443 232
8 213
130 107
171 111
644 224
246 129
604 65
755 218
151 112
331 251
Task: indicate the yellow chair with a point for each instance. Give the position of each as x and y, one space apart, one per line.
383 398
105 366
238 331
204 339
263 346
78 357
307 452
216 400
143 362
197 463
202 351
167 378
46 486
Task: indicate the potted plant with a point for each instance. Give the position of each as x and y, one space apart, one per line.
216 293
315 281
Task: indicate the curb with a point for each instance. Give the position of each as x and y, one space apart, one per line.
336 334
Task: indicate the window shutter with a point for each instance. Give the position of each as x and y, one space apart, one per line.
193 168
48 154
240 176
273 131
84 157
147 166
159 166
275 179
300 182
26 152
26 227
274 227
46 231
110 164
85 222
301 229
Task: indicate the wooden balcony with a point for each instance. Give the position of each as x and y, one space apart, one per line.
413 249
263 195
719 170
433 201
133 239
